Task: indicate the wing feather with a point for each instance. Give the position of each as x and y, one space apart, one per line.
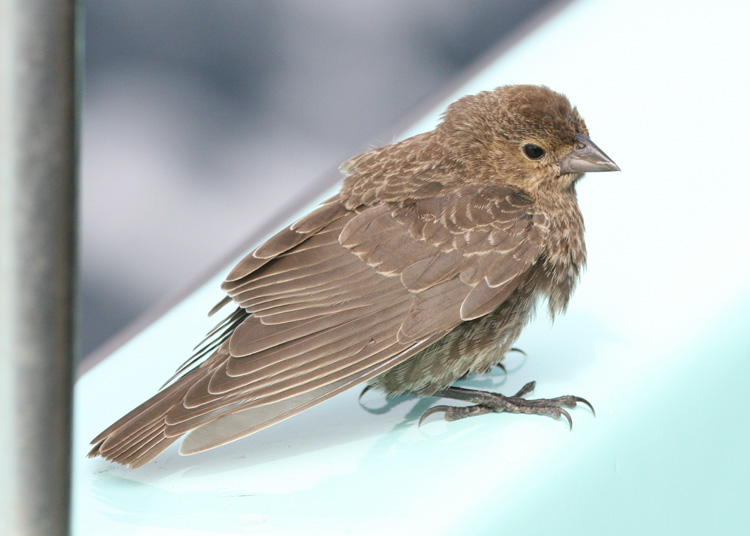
335 299
233 426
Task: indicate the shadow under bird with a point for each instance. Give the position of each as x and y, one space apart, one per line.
424 268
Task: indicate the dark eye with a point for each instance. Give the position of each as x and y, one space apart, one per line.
533 151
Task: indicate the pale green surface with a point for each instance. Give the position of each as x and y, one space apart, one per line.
657 337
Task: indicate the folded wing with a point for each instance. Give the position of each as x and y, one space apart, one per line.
335 299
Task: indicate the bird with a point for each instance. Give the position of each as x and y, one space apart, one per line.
422 269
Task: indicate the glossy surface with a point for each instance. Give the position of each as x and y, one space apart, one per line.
657 338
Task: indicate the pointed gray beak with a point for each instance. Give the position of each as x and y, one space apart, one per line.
588 158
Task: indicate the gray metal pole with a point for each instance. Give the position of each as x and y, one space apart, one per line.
37 229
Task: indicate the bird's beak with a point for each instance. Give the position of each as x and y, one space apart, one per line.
588 158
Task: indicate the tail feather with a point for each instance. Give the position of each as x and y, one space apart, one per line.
141 435
148 451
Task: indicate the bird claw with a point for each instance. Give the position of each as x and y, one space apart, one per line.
586 402
431 411
367 388
554 407
502 367
486 402
567 416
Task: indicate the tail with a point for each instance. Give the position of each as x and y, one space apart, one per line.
141 435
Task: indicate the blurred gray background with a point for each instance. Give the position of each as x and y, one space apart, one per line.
201 120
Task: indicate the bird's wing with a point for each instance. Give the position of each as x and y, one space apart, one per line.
337 298
341 296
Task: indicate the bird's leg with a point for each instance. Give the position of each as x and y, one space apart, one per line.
486 402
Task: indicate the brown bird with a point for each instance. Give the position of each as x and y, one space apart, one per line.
424 268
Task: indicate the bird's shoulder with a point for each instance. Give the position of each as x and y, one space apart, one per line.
469 219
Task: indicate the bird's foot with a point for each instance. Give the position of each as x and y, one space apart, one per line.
486 402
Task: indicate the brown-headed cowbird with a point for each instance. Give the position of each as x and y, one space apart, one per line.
425 267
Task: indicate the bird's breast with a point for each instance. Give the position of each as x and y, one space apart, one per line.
564 255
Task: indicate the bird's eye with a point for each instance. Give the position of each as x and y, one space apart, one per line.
534 152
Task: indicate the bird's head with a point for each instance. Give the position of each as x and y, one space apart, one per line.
527 136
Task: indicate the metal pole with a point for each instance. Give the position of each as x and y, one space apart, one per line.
37 229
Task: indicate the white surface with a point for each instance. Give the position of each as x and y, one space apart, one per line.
656 338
